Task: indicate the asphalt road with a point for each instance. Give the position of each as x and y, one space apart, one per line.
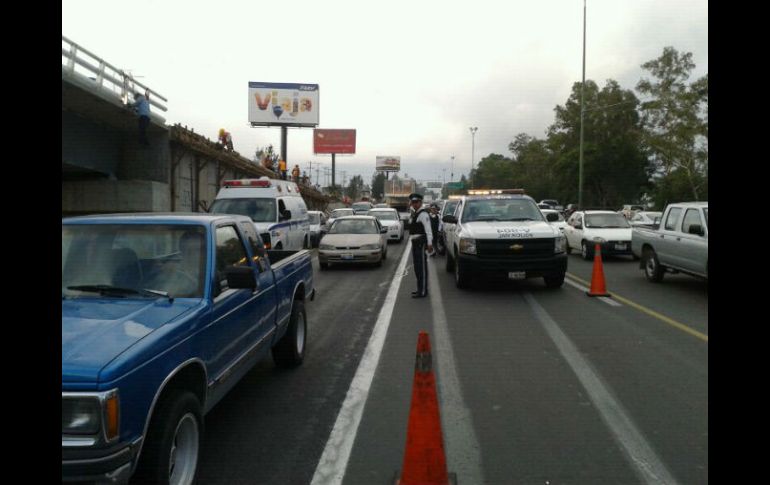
535 385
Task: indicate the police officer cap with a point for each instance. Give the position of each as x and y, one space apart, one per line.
415 196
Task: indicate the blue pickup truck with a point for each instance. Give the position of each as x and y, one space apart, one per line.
162 314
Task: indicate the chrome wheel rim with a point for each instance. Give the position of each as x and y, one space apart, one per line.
183 459
300 341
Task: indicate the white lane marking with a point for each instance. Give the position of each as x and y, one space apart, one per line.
606 300
463 453
334 460
641 455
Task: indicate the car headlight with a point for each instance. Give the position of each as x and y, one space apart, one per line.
325 247
80 416
467 245
370 246
558 244
88 415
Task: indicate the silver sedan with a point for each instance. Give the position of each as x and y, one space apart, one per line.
354 239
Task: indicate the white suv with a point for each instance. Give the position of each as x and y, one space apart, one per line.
503 235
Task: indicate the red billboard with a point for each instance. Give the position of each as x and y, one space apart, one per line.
334 141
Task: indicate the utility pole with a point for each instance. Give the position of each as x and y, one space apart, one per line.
473 129
582 112
452 170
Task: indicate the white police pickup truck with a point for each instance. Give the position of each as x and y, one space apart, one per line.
502 233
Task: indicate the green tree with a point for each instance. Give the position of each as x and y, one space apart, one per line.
615 167
676 124
354 188
378 185
493 171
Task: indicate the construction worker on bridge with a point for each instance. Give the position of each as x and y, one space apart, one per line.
141 106
282 168
225 139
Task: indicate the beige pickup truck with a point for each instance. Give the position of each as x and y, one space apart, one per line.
680 244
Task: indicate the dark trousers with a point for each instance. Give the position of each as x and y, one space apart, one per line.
420 264
144 122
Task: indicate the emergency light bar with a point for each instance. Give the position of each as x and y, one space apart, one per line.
495 191
247 183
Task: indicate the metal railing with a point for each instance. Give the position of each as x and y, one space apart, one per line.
106 77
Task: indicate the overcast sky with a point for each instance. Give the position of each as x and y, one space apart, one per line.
410 76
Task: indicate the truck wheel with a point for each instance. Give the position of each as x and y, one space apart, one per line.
587 253
554 280
172 447
462 278
290 350
450 262
652 268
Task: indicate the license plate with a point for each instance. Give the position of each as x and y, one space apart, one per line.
620 247
347 256
517 275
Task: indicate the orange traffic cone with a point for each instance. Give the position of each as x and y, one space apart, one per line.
598 287
424 460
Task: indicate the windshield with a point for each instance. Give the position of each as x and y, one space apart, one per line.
342 212
259 210
384 216
353 226
314 218
112 260
501 210
361 206
606 221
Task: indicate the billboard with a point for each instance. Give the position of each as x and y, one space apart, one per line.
388 164
334 141
283 104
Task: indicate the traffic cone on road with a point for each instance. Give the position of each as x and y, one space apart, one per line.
598 287
424 459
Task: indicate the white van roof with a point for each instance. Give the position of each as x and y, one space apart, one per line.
261 187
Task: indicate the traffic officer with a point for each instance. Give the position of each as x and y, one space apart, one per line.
421 236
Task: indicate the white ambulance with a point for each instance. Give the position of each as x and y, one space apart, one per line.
276 207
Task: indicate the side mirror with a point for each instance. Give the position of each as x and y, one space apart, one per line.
696 229
578 225
449 219
286 215
240 277
384 230
552 217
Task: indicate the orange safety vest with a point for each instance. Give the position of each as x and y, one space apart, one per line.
282 166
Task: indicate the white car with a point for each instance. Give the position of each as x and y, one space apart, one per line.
353 239
389 219
317 221
336 214
584 227
561 223
645 218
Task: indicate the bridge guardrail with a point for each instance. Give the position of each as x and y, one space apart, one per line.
78 60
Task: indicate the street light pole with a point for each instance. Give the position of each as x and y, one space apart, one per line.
473 151
452 170
582 111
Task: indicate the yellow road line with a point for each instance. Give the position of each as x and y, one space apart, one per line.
652 313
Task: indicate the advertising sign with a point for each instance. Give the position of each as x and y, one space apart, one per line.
283 104
334 141
388 164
